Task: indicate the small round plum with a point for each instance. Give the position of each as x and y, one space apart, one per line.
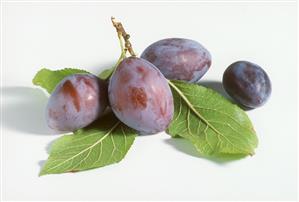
247 83
77 101
179 59
140 96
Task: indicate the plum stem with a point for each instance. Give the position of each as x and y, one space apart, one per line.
123 36
123 52
125 46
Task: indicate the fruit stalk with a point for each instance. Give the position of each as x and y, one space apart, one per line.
124 42
124 35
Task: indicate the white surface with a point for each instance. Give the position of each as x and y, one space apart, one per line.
80 35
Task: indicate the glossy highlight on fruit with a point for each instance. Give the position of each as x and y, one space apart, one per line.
140 96
179 59
77 101
247 83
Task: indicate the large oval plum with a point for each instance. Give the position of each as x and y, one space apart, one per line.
140 96
179 59
76 102
247 83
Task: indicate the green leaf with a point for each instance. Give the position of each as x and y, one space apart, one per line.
48 79
104 142
106 73
215 126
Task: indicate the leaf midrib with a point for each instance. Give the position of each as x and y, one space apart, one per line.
199 115
86 149
191 106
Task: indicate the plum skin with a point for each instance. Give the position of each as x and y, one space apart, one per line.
179 58
77 101
247 83
140 96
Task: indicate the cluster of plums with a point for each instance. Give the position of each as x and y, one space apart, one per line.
138 92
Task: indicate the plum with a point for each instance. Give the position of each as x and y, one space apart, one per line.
179 59
77 101
140 96
247 83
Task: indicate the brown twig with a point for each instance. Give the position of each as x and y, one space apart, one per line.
121 32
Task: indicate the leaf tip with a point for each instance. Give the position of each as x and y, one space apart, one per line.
36 78
42 173
252 153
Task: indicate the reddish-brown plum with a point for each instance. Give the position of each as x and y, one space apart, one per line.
179 59
140 96
76 102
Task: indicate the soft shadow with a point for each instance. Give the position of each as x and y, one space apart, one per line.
23 109
49 146
217 86
186 147
183 145
245 108
41 163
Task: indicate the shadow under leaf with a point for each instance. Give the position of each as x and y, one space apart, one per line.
186 147
217 86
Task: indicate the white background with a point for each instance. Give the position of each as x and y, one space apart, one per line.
58 35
